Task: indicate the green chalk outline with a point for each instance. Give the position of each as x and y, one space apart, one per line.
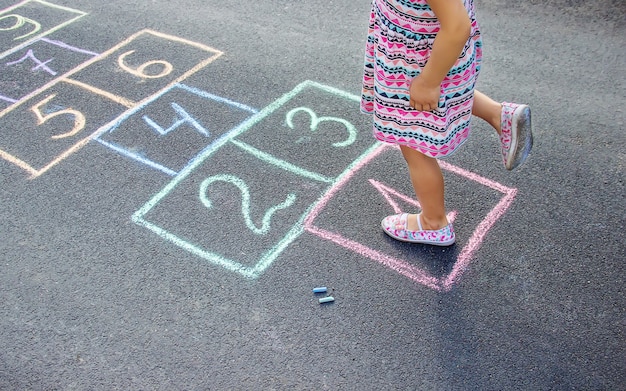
254 271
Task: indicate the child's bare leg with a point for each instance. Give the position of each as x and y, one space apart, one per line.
488 109
428 184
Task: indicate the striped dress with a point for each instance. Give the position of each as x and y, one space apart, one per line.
399 42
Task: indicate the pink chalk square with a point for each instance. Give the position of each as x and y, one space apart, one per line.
401 261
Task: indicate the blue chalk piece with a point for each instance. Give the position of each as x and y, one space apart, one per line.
326 299
320 289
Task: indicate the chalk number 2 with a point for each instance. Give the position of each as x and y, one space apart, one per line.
245 201
315 122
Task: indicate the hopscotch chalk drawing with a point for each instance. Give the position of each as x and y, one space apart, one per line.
180 125
407 267
247 230
62 119
219 154
225 187
24 22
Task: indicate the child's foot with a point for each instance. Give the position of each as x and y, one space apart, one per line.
516 134
396 227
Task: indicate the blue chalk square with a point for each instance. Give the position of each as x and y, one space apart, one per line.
172 128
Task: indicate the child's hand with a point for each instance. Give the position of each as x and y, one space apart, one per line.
424 96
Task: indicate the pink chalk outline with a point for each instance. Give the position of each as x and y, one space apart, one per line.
403 267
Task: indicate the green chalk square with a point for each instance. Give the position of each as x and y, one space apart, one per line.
320 130
28 21
322 184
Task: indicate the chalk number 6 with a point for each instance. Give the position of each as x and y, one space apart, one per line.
140 71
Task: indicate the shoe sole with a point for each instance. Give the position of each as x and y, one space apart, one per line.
521 132
441 244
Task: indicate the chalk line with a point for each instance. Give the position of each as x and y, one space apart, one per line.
47 32
135 156
418 275
269 256
266 157
213 55
68 47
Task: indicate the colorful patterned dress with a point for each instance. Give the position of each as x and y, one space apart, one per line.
399 42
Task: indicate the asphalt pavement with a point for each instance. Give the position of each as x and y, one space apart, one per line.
177 177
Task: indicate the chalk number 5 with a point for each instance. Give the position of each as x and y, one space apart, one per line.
79 118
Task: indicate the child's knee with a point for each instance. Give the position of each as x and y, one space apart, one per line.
414 156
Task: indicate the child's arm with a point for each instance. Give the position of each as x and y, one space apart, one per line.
451 38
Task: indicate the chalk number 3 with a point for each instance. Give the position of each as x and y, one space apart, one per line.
316 121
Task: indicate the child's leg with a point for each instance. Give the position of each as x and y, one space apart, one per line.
428 183
488 109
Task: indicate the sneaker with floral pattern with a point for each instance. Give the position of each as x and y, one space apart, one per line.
516 137
396 227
